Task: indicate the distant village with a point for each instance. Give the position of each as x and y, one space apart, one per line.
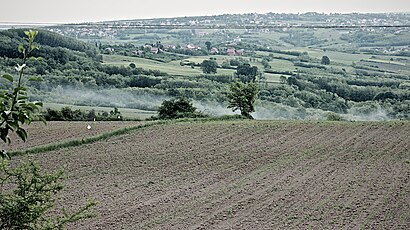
262 23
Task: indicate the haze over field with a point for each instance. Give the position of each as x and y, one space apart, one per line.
49 11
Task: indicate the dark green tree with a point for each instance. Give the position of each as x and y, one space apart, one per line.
266 64
242 96
177 108
246 73
209 66
325 60
208 45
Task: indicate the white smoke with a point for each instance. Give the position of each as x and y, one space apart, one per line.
151 99
122 98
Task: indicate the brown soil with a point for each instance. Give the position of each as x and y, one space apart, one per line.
243 175
59 131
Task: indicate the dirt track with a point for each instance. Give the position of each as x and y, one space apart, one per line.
243 175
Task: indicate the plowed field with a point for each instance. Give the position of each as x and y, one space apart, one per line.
243 175
58 131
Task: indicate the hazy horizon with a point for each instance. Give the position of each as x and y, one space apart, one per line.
75 11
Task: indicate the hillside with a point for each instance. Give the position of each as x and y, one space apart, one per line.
46 39
309 66
243 175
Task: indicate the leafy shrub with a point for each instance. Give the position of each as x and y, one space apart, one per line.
209 66
67 114
178 108
334 117
26 205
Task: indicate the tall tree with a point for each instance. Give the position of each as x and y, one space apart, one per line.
325 60
242 96
208 45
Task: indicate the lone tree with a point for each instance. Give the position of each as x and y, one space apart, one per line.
208 45
177 108
325 60
209 66
242 96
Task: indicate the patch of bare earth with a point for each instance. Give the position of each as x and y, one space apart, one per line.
61 131
243 175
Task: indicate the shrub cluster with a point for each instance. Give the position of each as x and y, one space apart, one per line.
68 114
178 108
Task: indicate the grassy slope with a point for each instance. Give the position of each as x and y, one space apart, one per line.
243 175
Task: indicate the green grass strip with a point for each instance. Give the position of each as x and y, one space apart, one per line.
83 141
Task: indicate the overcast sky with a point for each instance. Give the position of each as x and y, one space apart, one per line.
59 11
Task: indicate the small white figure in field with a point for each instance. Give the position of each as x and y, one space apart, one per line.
88 127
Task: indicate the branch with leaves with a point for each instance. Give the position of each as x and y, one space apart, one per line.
26 196
15 109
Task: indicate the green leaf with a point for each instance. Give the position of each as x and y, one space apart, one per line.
21 88
22 134
4 134
33 47
8 77
33 33
12 125
21 48
38 103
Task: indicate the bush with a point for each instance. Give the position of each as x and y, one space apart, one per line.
209 66
178 108
27 205
67 114
334 117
